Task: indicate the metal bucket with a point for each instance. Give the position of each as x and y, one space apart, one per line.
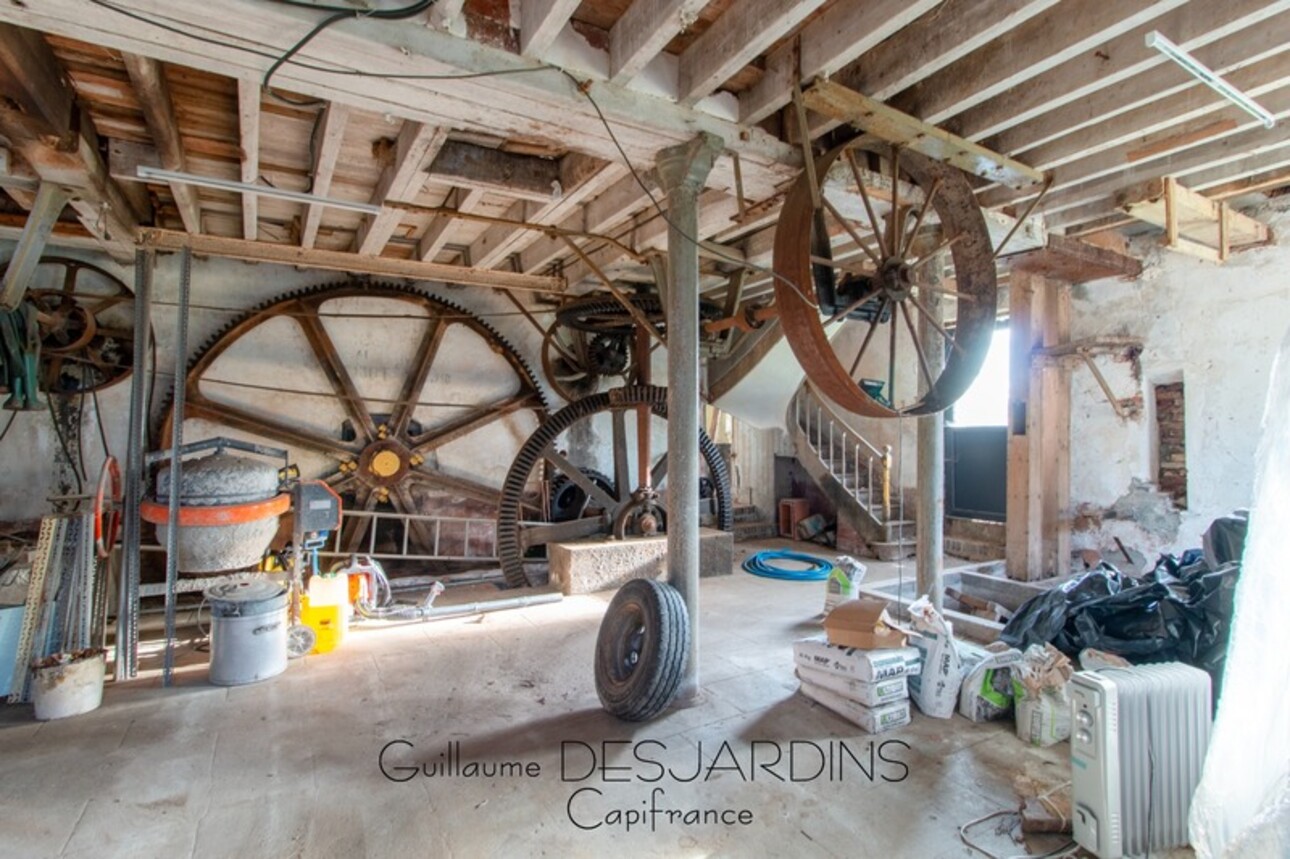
248 631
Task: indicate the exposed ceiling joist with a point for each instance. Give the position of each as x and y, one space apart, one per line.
330 136
402 179
149 82
1119 60
170 240
601 215
540 97
734 40
465 200
643 31
841 33
1041 43
248 128
540 22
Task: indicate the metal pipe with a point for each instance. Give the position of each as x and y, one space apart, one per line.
683 170
127 644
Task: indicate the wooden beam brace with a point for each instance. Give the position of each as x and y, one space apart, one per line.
432 241
331 135
149 81
38 86
49 204
734 40
1192 217
170 240
889 124
643 32
540 22
525 177
401 181
248 125
1073 261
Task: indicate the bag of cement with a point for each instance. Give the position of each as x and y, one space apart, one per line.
986 693
1040 691
869 694
869 666
844 582
875 720
936 689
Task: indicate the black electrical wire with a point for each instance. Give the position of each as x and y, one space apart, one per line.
4 432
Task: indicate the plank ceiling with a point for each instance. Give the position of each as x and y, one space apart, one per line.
96 87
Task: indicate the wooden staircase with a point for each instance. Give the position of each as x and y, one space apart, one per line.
854 474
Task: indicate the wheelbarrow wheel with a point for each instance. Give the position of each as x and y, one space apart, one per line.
641 650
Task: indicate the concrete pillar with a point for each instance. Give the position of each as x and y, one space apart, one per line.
683 170
931 449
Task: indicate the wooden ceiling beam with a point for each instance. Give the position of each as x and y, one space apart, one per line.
248 131
643 32
331 135
1191 26
846 30
401 181
465 200
469 165
734 40
56 139
149 81
583 179
1041 43
513 105
540 22
171 240
604 213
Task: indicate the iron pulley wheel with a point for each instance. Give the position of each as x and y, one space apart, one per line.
857 286
626 510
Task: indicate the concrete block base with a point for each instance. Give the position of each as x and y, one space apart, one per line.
585 567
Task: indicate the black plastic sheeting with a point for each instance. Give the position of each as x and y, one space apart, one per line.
1180 611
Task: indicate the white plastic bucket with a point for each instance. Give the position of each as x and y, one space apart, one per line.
68 689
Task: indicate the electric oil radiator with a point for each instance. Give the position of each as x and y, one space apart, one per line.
1138 741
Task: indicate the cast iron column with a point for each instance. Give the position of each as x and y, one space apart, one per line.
931 453
682 171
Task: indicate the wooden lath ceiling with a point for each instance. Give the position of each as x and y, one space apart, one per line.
1064 85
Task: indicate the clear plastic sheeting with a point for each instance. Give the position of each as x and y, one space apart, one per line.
1241 800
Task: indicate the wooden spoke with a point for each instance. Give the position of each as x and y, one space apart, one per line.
334 368
844 312
468 423
401 415
943 246
940 290
574 529
622 479
851 267
936 323
420 531
868 204
855 237
582 481
918 347
873 327
658 472
356 527
893 221
458 485
891 365
908 238
200 407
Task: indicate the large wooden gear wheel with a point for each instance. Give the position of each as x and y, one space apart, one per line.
879 287
400 401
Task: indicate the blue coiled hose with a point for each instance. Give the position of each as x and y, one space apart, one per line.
759 564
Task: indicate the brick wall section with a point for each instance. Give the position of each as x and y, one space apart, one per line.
1172 472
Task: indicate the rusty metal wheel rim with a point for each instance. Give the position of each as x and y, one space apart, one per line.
797 249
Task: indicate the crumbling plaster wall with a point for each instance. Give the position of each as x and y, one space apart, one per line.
1214 327
27 452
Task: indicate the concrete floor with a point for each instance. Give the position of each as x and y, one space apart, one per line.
289 767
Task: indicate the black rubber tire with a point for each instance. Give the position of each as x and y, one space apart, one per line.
641 650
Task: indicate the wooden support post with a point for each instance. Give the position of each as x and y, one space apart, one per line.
1038 520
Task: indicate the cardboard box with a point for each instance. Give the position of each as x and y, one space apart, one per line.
863 623
875 720
867 665
869 694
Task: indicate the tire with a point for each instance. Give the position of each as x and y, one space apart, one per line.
641 650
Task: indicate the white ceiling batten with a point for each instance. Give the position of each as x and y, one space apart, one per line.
1214 81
